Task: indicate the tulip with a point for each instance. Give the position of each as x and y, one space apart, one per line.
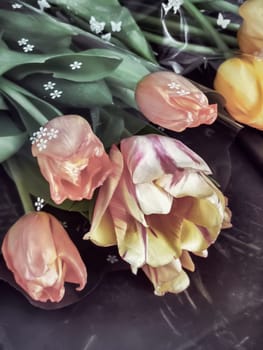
240 81
173 102
71 158
157 206
42 257
250 35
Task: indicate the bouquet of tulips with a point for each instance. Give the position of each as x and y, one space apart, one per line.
84 107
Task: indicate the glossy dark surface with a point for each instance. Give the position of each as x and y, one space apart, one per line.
222 309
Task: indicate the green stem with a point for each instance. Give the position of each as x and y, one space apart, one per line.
175 26
218 5
206 25
193 48
23 194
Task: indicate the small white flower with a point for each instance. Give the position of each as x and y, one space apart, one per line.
28 48
43 4
116 26
56 94
39 204
172 4
49 85
174 85
75 65
22 41
41 144
182 92
222 22
64 224
16 5
106 36
96 26
112 259
52 134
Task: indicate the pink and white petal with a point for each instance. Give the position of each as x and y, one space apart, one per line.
153 199
102 220
193 238
167 278
190 184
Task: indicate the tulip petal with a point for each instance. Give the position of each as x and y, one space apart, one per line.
152 199
152 156
187 261
167 278
72 264
190 184
102 229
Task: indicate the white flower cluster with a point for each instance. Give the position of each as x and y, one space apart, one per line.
42 136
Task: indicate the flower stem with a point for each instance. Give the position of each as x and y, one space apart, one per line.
193 48
206 25
155 23
218 5
23 194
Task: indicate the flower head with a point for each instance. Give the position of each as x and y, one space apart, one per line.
171 101
73 160
157 206
250 35
42 257
239 80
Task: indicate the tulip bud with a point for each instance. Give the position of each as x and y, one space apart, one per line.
71 158
173 102
42 257
240 81
250 35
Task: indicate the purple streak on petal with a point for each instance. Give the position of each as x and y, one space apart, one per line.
205 233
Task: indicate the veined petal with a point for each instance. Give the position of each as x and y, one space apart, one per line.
167 278
149 157
153 199
190 184
193 238
102 228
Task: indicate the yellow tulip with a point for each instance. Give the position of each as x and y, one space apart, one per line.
250 34
240 81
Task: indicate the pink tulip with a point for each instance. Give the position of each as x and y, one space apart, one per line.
42 257
71 158
173 102
157 206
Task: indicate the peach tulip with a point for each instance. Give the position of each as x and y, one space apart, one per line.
42 257
250 35
173 102
240 81
157 206
71 158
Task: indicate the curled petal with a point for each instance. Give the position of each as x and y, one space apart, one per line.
167 278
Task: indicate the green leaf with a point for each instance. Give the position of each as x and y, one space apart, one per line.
107 11
77 95
47 34
3 105
11 138
92 67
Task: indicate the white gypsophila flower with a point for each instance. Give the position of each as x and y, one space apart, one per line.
56 94
96 26
16 5
112 259
172 4
39 204
28 48
75 65
22 41
49 85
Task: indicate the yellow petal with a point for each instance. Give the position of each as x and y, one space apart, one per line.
167 278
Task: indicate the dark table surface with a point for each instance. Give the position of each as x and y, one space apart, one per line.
222 309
